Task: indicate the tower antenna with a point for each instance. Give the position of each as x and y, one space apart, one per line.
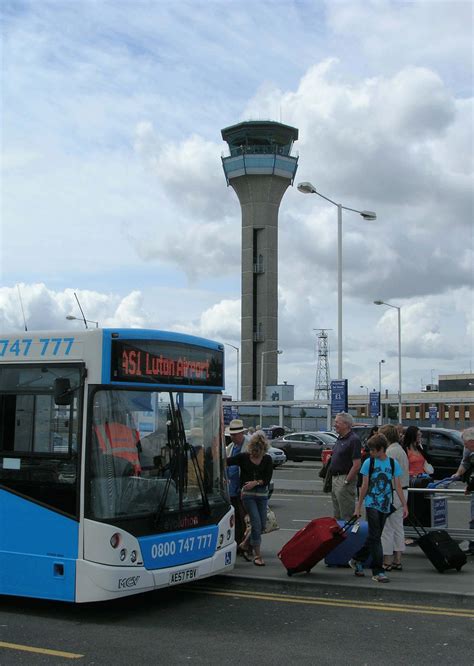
82 313
21 304
322 384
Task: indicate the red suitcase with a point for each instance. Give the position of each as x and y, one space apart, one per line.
311 544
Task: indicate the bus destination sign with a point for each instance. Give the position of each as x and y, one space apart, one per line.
164 362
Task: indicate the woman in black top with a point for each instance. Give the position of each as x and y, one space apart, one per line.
256 469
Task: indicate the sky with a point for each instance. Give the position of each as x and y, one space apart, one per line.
112 184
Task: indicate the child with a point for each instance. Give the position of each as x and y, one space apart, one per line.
380 474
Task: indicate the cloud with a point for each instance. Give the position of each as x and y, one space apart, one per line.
46 309
112 177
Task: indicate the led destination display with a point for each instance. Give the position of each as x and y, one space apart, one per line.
164 362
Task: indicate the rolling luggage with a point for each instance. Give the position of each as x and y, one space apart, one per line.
356 536
311 544
441 550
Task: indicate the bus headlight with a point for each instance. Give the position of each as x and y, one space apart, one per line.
133 556
115 540
123 554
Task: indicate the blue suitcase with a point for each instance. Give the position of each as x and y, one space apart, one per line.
340 556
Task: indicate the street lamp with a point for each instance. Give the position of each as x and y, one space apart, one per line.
308 188
368 405
398 308
380 392
237 349
269 351
86 321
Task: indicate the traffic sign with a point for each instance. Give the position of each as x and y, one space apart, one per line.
339 396
374 403
433 412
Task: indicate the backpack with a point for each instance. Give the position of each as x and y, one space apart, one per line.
392 467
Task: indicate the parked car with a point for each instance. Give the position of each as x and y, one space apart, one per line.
328 432
443 448
300 446
362 431
277 455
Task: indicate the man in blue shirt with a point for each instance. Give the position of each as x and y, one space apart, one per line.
238 445
380 475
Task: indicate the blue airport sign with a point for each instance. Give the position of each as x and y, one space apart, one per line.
339 396
374 403
230 412
433 412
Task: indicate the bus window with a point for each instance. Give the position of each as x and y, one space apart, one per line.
38 439
138 463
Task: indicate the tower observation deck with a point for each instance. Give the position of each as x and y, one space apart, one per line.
259 168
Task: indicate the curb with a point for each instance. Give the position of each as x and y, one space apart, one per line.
303 586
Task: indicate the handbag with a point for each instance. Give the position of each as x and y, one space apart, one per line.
327 485
271 524
324 469
428 468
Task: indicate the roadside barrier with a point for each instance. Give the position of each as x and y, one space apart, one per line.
430 506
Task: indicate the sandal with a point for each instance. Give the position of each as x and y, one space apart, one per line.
388 567
246 555
258 562
397 566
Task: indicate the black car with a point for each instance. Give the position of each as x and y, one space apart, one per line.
300 446
443 448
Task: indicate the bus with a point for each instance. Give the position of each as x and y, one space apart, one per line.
112 463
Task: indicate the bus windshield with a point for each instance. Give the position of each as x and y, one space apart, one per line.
154 452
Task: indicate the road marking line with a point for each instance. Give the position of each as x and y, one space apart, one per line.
340 603
37 650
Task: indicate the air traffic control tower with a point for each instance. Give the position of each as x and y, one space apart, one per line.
259 168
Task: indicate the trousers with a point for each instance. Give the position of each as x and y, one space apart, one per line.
343 497
256 507
373 545
393 535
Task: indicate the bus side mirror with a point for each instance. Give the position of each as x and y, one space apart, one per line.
62 391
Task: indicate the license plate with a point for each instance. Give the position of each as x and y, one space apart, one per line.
182 576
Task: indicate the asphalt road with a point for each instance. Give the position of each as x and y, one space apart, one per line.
237 621
207 623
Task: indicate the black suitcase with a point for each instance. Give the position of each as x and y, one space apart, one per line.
441 550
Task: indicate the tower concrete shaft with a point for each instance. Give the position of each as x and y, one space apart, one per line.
259 169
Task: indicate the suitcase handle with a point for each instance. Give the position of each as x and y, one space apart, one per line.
350 523
437 484
417 526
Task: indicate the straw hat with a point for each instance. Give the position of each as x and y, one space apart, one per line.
236 426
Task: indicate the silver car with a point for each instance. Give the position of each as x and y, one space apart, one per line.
278 456
300 446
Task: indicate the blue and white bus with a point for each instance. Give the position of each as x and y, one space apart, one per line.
112 463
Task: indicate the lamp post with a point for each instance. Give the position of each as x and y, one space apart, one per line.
368 405
380 391
269 351
398 308
237 349
86 321
308 188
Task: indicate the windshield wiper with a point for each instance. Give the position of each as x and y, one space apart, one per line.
172 469
194 460
179 462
